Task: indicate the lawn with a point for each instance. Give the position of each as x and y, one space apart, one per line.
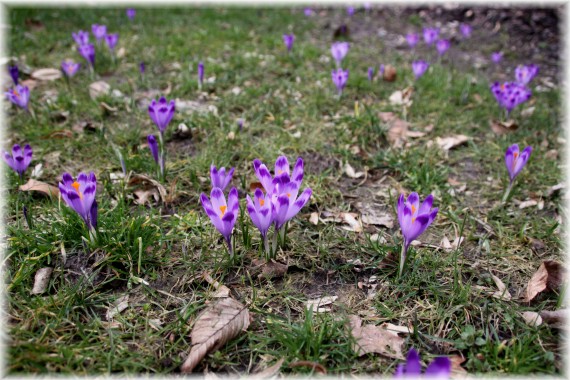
125 296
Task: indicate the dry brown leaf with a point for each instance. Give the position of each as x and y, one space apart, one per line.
529 203
254 186
555 189
117 307
389 73
30 83
317 304
386 116
41 187
121 52
97 89
532 318
450 142
503 292
268 372
270 269
317 367
354 224
415 134
556 318
221 289
314 218
375 215
503 127
46 74
397 329
456 367
41 280
149 187
451 246
550 275
349 170
371 338
397 133
215 326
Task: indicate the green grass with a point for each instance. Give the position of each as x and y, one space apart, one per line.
156 253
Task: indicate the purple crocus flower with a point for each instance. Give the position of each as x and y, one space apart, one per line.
111 40
524 74
81 37
340 77
153 145
414 220
381 69
412 39
200 73
131 13
441 46
281 168
370 73
339 51
99 31
261 211
223 215
308 12
14 73
419 68
287 205
142 68
220 178
161 113
465 30
510 94
80 196
497 57
20 159
288 39
514 161
430 35
240 124
439 368
69 67
19 95
350 11
87 51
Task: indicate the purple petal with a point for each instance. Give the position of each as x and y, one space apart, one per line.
413 365
439 367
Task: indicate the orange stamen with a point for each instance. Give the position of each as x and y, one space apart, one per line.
76 185
515 156
413 220
288 195
223 210
261 201
413 209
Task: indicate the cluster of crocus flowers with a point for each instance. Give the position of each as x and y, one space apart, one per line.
515 162
20 159
288 40
281 201
69 67
339 78
200 74
161 113
524 74
414 220
510 94
80 196
439 368
339 50
19 95
419 68
442 46
430 35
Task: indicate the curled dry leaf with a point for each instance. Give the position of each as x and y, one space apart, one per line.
503 292
221 290
371 338
549 276
317 304
41 280
268 372
215 326
149 187
532 318
373 214
314 218
107 109
117 307
503 127
529 203
46 74
97 89
555 189
313 365
556 318
402 98
354 225
270 269
450 142
397 133
349 170
451 246
41 187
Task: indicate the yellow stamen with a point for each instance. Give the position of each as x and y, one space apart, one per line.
76 185
223 210
261 202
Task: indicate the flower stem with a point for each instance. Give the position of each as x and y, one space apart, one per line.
507 192
274 251
266 246
402 258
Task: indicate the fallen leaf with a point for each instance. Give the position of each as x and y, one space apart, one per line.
556 318
221 290
402 98
83 126
389 73
97 89
349 170
531 318
317 304
503 127
30 83
107 109
371 338
216 325
456 367
397 133
117 307
270 269
149 188
46 74
59 134
397 329
555 189
41 187
182 132
549 276
415 134
268 372
451 246
450 142
121 52
529 203
37 171
527 112
374 214
254 186
355 225
386 116
314 218
317 367
41 280
503 292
